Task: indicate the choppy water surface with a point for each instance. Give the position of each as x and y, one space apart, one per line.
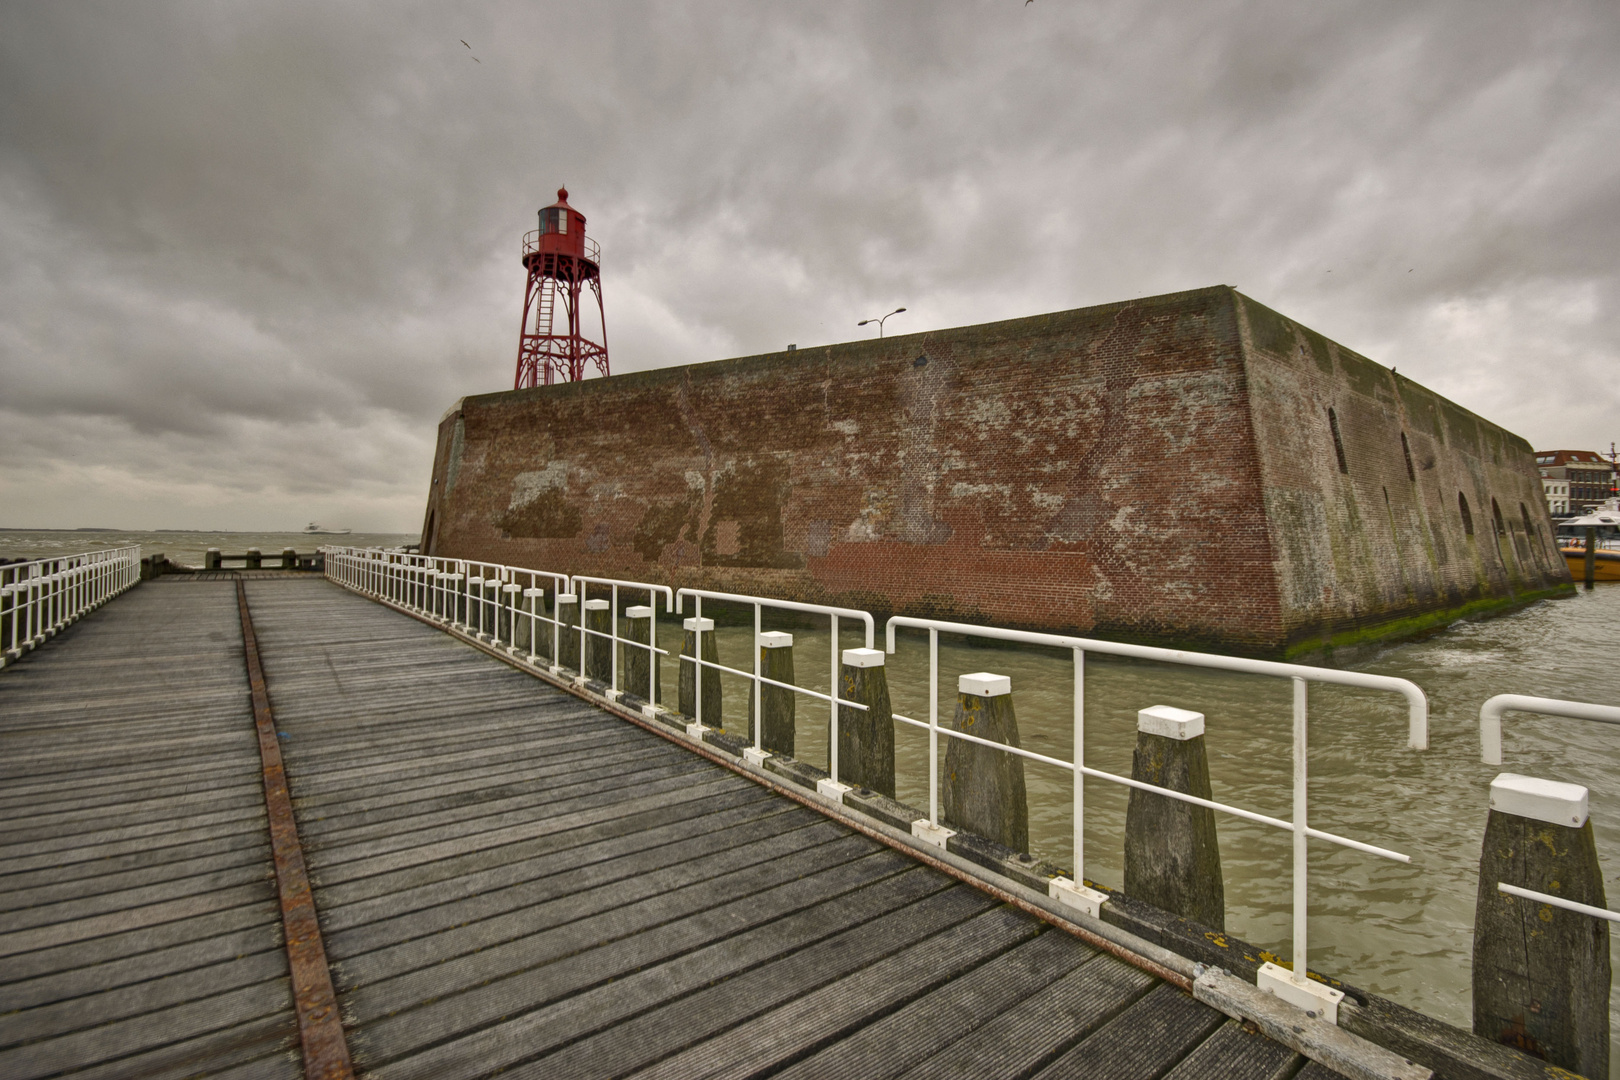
1401 930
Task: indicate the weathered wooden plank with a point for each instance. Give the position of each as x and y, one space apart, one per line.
1315 1070
1156 1032
105 1005
166 910
136 915
608 836
51 903
621 880
1234 1053
613 1029
914 1033
1036 1030
261 915
844 1005
538 967
75 982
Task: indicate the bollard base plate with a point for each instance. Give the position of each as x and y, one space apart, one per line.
929 833
1080 897
1313 996
695 731
650 711
832 789
756 758
613 695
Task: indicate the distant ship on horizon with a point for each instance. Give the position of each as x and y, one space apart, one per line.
315 529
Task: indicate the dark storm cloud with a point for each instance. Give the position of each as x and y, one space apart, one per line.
249 253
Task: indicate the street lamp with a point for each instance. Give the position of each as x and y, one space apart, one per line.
863 322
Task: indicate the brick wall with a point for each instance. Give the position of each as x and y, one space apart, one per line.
1159 470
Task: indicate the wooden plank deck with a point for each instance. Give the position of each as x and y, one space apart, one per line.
139 929
508 878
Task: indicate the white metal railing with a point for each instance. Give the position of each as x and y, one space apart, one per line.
1490 752
582 584
41 596
1300 675
454 592
758 603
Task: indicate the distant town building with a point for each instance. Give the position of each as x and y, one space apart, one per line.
1557 494
1574 480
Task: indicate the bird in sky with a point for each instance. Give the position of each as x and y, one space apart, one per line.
469 49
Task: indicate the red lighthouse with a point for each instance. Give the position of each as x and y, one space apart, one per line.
552 346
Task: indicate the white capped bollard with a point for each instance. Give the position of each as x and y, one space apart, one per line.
565 609
777 707
983 788
1172 852
865 736
703 714
642 677
1542 972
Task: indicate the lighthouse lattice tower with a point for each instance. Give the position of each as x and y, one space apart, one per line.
561 262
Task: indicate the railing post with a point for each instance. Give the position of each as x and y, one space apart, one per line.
1295 985
984 788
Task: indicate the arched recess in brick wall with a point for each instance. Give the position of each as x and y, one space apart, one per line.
1503 543
1338 443
1406 452
1467 517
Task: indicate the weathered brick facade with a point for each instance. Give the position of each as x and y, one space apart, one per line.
1159 470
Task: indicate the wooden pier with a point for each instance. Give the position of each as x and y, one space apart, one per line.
508 879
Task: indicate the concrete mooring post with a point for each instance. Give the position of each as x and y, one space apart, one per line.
777 707
983 788
255 559
212 559
455 599
289 558
866 736
1541 973
598 650
641 676
523 626
692 629
1172 854
565 609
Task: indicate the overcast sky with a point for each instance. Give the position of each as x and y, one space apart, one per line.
249 253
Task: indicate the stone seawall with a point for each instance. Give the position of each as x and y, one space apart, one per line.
1164 470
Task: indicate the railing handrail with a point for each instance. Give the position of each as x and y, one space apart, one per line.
1417 701
40 596
1490 717
784 605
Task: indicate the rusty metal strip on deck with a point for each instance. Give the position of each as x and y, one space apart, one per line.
320 1026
